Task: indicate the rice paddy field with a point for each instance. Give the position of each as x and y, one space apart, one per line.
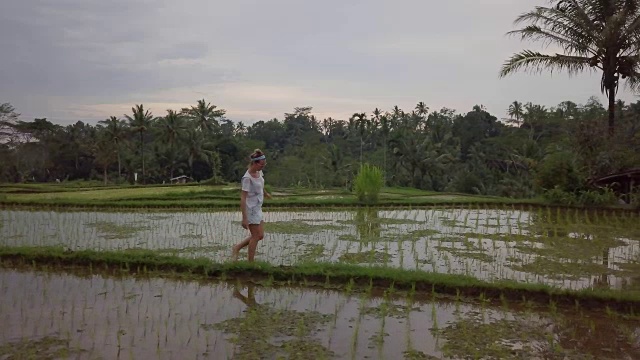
571 249
86 313
94 316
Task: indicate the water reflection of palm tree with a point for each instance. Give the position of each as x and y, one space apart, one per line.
368 224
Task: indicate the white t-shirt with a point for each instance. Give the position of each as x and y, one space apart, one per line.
254 188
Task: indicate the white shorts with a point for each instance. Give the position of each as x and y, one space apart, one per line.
254 215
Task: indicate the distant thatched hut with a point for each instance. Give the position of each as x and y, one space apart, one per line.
622 183
182 179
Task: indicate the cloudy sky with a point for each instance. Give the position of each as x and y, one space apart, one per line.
71 60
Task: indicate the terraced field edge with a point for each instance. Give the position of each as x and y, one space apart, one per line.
333 275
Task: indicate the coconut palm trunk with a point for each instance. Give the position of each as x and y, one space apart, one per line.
142 155
612 109
140 121
119 164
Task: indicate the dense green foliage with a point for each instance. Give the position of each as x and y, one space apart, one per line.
534 149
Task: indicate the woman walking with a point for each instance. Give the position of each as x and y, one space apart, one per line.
251 199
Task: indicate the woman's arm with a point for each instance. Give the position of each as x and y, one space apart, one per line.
264 188
243 208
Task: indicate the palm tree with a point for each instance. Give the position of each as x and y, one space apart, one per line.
140 122
327 127
241 129
600 34
197 145
102 151
397 119
397 112
171 129
205 116
74 141
515 111
421 109
384 127
533 118
361 123
115 132
336 164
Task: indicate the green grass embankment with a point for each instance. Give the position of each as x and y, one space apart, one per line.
323 274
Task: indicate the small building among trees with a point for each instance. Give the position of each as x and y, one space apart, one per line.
182 179
622 183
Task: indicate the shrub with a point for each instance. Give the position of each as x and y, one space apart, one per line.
602 197
560 170
468 183
368 183
557 196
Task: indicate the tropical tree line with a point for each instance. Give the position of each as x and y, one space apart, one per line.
533 150
530 149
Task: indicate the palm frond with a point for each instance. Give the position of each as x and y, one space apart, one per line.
535 61
536 33
633 81
633 25
578 10
552 20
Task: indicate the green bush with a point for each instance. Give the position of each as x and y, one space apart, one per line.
468 183
368 183
557 196
560 170
602 197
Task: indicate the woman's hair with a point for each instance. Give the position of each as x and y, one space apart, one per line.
256 153
256 156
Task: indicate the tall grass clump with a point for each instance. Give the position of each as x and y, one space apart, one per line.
601 197
589 197
368 183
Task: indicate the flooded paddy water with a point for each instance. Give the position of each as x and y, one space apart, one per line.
566 248
91 316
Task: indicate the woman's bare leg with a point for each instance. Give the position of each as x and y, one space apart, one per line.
257 234
239 246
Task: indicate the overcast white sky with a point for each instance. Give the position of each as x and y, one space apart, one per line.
71 60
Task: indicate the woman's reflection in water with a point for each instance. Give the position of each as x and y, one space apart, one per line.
250 299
